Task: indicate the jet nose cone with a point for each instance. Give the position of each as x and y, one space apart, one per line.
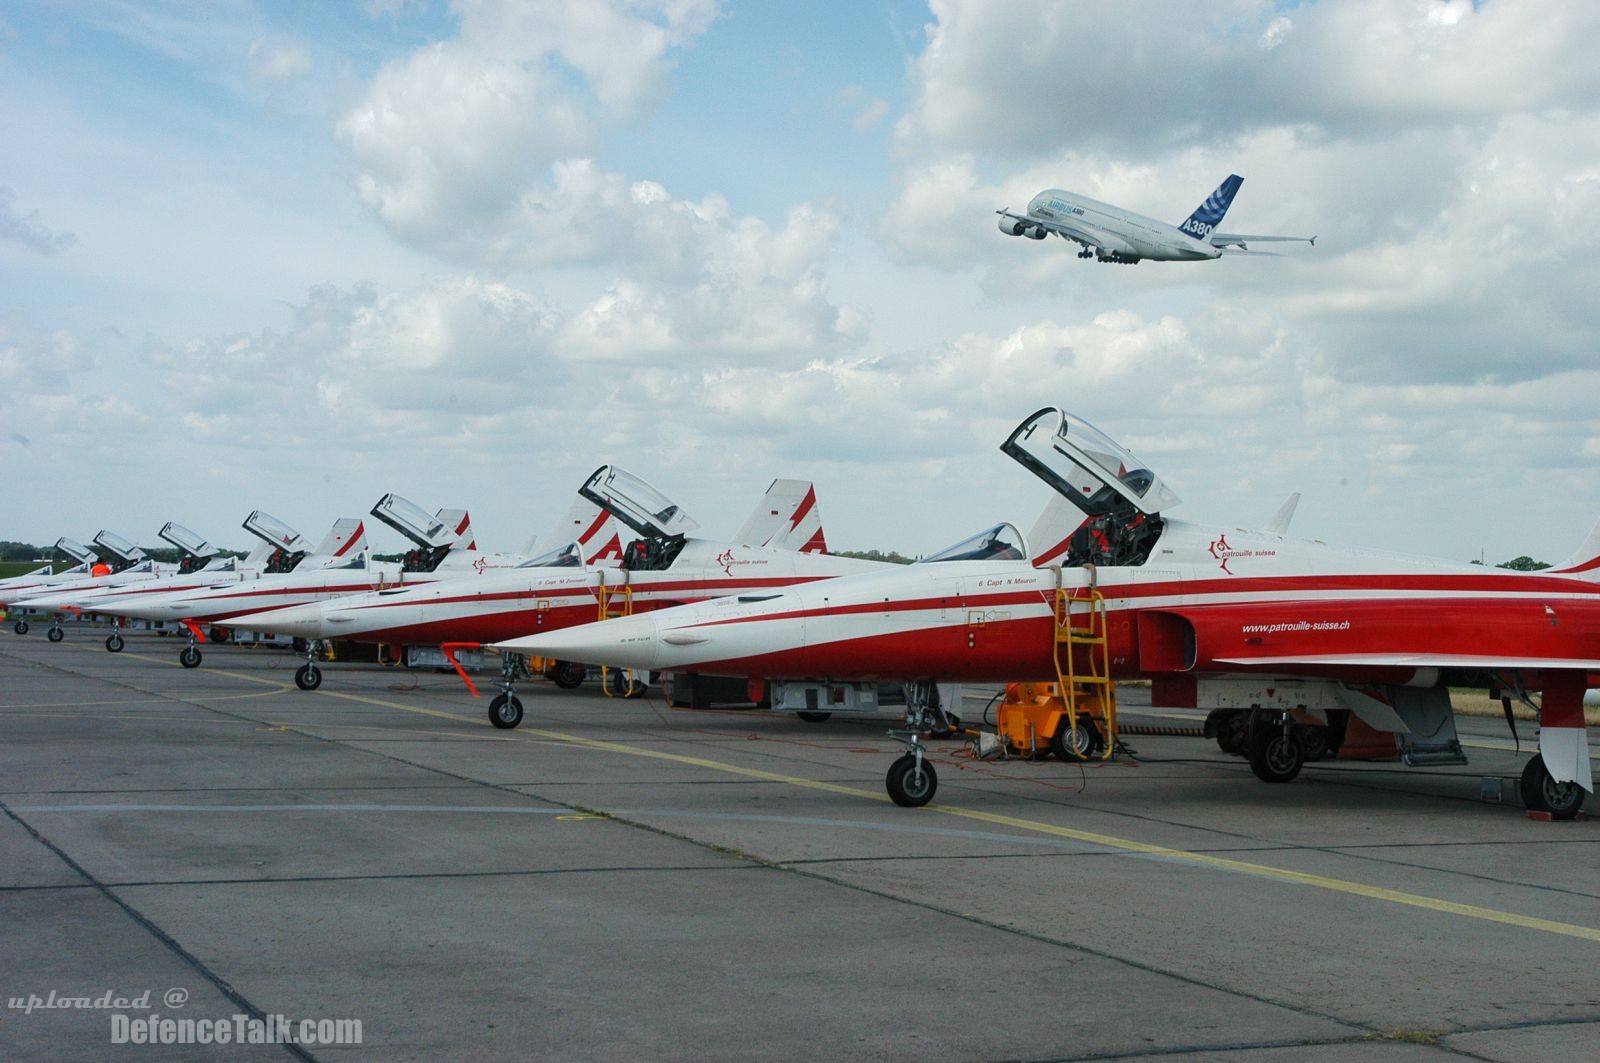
627 642
299 621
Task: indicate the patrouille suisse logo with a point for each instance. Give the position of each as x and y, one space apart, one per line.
725 559
1225 553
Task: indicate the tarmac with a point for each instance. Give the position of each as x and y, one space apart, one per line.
618 879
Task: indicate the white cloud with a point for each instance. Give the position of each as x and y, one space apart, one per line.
1017 79
278 59
449 136
29 230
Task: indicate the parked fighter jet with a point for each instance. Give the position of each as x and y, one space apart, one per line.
444 546
128 564
280 550
665 566
1295 632
39 581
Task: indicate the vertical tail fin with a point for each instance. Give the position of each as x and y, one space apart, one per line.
786 518
595 530
1586 562
1279 524
458 521
347 539
1052 532
1208 215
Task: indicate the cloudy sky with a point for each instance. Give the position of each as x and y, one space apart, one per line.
293 255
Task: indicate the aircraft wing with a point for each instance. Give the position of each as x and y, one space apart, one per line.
1239 239
1087 235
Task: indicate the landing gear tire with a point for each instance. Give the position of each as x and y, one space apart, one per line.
1275 755
20 627
1541 793
55 634
1075 743
906 787
1232 732
189 657
308 677
114 643
220 634
1313 742
568 675
505 711
814 717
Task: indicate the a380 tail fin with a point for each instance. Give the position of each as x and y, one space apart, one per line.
347 538
1584 564
786 518
1208 215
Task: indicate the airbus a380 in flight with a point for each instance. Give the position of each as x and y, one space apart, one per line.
1111 234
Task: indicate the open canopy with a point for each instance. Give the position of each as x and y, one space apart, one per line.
186 541
275 533
635 503
77 551
1086 466
118 545
1000 543
415 523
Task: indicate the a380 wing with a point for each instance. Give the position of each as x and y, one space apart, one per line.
1240 239
1087 235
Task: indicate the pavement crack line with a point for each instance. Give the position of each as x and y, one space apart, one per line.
153 928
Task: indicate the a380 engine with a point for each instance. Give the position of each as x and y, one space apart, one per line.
1018 227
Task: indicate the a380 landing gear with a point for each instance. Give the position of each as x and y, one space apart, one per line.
505 709
1541 793
308 676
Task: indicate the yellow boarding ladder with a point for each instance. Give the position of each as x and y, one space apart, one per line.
609 609
1093 692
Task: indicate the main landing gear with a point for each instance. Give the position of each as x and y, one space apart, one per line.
20 627
1271 746
308 676
56 633
505 708
1541 793
911 780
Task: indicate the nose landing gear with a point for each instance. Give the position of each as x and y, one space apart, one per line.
505 709
308 676
911 780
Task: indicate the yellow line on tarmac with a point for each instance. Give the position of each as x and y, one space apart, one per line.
1108 841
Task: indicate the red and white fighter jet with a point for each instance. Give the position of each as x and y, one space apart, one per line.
779 545
1218 618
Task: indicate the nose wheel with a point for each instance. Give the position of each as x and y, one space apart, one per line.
55 634
505 708
20 627
911 781
308 676
189 657
114 640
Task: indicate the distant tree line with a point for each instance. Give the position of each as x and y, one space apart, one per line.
14 551
891 556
